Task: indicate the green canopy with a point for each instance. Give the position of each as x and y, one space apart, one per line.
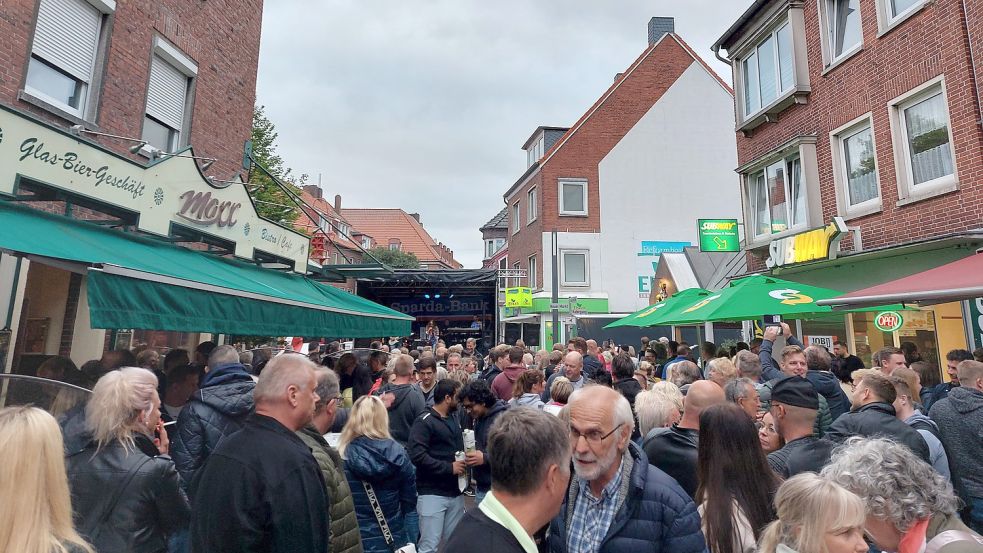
139 282
655 314
756 296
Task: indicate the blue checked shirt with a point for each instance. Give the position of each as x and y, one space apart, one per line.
592 516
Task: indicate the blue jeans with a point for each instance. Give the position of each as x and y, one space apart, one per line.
478 496
438 517
976 518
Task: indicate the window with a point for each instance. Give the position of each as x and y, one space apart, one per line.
768 70
855 168
535 152
63 56
532 206
573 268
516 223
841 28
366 243
325 225
893 12
922 141
493 245
777 197
573 197
344 229
394 245
168 90
532 272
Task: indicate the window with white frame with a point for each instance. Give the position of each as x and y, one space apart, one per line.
394 245
366 243
573 196
533 274
843 34
855 170
535 152
768 71
923 141
168 91
516 222
532 205
893 12
493 245
63 56
344 229
574 269
777 197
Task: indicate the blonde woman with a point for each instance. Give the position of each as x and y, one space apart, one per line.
36 509
125 489
815 515
373 460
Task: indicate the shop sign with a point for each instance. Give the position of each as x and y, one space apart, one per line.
169 192
718 235
518 297
824 341
647 262
975 322
888 321
811 245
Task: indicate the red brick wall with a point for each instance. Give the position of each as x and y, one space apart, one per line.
222 36
583 150
931 43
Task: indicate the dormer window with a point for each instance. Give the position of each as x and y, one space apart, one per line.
535 151
395 245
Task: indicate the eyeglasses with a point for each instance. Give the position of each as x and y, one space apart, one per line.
593 437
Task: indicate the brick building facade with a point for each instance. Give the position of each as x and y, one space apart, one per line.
867 111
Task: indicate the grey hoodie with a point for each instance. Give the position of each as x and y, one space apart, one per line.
528 400
936 453
960 421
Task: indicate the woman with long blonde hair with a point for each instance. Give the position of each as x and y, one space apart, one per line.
815 515
35 506
374 461
126 492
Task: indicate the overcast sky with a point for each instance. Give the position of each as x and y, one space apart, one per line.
425 104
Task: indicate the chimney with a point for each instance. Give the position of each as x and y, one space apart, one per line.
659 26
417 217
617 76
337 203
314 190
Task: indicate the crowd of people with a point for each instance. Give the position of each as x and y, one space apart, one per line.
582 448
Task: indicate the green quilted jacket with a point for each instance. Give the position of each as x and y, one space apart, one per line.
345 536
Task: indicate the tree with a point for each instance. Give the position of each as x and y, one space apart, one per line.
395 258
271 201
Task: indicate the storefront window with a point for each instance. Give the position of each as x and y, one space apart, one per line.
163 341
824 332
919 328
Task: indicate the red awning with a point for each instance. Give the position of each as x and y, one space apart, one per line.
956 281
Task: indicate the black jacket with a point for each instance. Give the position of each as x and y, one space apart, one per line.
261 490
828 386
433 442
877 420
630 388
476 528
216 410
482 473
675 451
151 506
808 454
407 406
489 374
592 366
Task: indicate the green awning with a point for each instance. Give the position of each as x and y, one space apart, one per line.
139 282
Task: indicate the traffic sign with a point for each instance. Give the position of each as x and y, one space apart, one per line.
888 321
718 235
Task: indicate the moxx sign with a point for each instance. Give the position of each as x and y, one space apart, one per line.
167 194
811 245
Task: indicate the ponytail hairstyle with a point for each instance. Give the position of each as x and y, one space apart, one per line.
527 379
120 405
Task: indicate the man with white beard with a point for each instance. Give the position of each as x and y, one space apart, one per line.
614 481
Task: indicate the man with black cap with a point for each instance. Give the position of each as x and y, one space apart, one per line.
794 405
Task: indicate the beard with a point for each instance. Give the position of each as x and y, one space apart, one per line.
595 466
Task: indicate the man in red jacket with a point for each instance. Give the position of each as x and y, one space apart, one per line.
504 383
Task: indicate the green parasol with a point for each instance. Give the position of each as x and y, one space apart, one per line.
755 296
654 314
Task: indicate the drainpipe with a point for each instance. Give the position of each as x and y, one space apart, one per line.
972 64
716 48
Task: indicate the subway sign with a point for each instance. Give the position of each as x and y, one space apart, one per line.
811 245
718 235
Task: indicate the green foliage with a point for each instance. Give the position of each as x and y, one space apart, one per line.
271 201
395 258
929 140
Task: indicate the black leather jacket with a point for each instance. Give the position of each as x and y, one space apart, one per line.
151 506
675 451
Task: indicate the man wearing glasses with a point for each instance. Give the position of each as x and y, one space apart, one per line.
617 501
341 507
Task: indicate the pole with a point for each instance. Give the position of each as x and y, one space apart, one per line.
555 297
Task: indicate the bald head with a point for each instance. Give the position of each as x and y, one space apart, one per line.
701 395
573 364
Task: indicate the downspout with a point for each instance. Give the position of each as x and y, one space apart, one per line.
716 47
972 64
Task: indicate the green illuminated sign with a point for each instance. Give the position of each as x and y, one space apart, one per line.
888 321
718 235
